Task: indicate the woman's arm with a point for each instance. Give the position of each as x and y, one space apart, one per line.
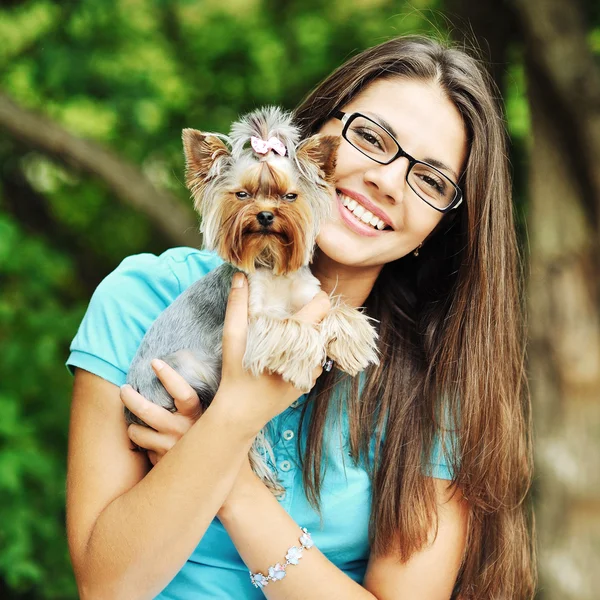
129 530
262 531
431 573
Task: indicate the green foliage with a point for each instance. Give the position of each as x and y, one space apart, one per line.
35 327
127 74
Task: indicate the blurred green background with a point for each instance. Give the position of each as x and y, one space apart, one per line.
93 97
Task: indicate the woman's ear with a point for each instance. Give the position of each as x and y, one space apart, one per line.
205 155
320 150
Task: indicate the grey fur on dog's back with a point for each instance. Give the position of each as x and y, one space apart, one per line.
187 336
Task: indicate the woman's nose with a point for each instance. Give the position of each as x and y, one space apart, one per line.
390 180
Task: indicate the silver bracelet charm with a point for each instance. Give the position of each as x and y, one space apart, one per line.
277 572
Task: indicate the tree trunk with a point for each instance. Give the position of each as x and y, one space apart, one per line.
564 275
564 300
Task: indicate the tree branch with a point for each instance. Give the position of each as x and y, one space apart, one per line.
169 216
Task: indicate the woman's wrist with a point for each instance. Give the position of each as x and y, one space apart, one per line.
230 417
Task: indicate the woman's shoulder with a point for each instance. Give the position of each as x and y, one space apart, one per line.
126 303
174 270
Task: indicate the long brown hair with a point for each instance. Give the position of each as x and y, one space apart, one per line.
452 345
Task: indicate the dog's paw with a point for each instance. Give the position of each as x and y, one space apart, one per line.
300 371
350 339
289 347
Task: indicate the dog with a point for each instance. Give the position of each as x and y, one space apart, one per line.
262 195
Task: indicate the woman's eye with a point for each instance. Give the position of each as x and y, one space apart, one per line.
242 195
434 183
369 137
290 197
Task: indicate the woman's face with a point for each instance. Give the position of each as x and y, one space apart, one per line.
428 127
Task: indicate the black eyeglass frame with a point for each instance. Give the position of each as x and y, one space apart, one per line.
347 118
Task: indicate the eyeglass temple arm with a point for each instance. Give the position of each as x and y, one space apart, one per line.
342 116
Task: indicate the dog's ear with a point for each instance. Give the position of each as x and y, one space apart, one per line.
204 157
322 151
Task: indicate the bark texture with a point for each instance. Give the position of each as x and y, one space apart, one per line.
563 83
564 299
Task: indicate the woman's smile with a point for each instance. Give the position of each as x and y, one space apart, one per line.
361 215
378 218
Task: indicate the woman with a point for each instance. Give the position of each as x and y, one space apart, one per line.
410 479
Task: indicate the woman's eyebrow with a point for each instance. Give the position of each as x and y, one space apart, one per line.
434 162
382 122
440 165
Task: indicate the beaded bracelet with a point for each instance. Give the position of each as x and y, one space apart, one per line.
277 572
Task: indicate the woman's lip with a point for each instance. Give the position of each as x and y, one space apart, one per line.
355 224
364 201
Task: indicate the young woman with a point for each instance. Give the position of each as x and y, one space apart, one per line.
412 478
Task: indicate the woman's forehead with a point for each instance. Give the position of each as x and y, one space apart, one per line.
419 114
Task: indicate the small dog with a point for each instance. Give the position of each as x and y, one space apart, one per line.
261 200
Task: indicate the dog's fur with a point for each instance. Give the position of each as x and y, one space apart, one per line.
233 189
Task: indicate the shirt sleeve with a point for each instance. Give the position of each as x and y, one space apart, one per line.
444 448
120 312
439 465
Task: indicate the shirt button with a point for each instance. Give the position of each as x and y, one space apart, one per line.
281 497
285 465
288 434
294 404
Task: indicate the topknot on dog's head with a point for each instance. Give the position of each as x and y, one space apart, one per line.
264 123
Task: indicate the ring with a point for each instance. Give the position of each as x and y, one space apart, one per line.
328 365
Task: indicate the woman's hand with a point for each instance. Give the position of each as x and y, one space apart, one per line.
238 391
167 427
251 402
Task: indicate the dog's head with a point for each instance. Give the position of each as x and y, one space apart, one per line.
261 197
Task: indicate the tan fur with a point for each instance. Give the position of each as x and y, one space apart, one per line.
275 257
349 339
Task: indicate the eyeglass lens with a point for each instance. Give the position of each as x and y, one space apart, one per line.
376 143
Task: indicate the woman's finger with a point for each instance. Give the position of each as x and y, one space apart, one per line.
316 310
149 439
153 457
185 397
235 328
154 416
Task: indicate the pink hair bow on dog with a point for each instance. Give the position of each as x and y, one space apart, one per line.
264 147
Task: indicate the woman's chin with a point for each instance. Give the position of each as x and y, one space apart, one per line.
343 248
346 248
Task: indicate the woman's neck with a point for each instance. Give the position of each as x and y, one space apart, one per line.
354 284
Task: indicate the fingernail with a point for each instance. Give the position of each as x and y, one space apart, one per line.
157 364
238 280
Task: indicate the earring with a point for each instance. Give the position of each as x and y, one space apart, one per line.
416 251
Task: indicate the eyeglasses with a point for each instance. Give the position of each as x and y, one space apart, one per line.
376 142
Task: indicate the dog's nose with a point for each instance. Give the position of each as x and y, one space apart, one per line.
265 218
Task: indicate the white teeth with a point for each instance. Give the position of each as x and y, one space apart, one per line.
359 211
366 217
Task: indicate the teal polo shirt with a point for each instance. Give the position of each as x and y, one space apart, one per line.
120 312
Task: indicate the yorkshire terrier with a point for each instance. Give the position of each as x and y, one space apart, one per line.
261 197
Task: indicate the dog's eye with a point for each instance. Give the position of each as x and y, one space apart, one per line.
290 197
242 195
